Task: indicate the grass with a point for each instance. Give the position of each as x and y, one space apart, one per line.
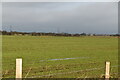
37 52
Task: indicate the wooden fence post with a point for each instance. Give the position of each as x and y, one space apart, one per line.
19 69
107 71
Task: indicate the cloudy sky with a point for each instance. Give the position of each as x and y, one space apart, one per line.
70 17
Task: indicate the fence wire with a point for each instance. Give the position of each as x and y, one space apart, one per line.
27 72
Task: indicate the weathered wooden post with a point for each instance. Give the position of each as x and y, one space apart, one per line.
18 69
107 71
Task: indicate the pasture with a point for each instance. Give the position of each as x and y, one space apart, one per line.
60 57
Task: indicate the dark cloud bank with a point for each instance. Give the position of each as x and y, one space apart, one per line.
70 17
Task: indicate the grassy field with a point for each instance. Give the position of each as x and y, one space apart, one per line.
60 57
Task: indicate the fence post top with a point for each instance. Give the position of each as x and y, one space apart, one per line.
19 59
107 62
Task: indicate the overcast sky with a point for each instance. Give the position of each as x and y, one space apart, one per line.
70 17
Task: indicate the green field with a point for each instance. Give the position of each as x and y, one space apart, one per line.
60 57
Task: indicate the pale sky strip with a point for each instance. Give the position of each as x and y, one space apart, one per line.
60 0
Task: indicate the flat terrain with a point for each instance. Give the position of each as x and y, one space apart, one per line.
60 57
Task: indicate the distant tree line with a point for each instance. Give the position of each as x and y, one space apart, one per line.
51 34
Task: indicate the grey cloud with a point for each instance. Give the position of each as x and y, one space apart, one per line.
0 16
67 17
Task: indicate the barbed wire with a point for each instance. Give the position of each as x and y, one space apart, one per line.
71 72
8 72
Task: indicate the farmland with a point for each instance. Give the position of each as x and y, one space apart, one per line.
60 57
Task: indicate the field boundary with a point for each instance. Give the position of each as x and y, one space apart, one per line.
19 70
91 69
